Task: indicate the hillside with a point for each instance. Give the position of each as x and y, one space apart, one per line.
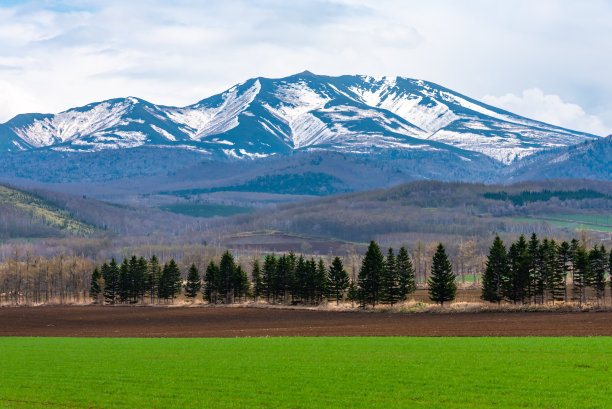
24 214
452 211
31 213
590 159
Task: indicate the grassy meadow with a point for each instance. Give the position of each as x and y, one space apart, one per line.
306 372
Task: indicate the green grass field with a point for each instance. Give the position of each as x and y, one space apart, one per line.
306 373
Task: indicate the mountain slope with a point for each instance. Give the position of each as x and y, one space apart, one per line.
590 159
25 214
263 117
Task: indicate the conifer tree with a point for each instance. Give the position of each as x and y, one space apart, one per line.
241 286
533 250
268 273
516 286
610 269
171 282
258 287
390 279
301 279
320 282
141 275
125 281
227 271
580 263
194 282
556 278
370 274
338 279
97 284
405 272
153 277
211 281
110 274
441 284
311 274
495 273
597 264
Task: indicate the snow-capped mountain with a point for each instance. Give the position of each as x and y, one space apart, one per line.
263 117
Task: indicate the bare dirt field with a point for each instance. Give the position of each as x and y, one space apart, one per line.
125 321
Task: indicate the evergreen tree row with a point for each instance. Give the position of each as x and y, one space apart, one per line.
539 271
134 280
285 279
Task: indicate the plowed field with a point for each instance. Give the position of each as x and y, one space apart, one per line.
120 321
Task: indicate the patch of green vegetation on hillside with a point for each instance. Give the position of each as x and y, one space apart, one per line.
306 372
545 195
205 209
308 183
43 211
601 222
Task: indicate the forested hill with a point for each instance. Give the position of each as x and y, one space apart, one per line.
431 209
25 214
43 213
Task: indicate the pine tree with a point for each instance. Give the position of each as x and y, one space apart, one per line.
495 272
597 264
125 281
171 282
211 281
268 273
320 282
405 271
338 279
516 286
556 278
110 274
441 284
194 282
258 287
311 274
142 277
301 280
97 285
241 285
370 274
533 250
580 266
153 277
227 271
610 269
390 279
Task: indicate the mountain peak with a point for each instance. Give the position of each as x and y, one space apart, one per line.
306 73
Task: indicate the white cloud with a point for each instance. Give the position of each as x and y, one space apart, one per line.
61 54
550 108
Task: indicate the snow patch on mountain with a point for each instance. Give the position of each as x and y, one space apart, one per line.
202 121
69 125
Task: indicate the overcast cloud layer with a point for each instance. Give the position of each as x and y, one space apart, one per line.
549 60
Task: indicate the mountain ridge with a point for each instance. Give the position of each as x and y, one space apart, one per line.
262 116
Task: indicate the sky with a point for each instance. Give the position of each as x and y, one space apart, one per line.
548 59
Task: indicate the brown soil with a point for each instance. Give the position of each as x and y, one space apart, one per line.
120 321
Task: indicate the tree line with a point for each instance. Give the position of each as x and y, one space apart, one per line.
284 279
537 271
